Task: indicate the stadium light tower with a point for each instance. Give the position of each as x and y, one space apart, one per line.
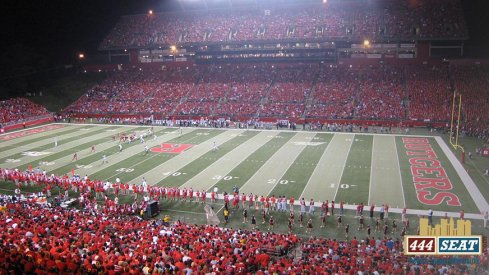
150 12
366 43
81 56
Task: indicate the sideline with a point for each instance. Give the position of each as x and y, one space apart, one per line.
247 129
474 192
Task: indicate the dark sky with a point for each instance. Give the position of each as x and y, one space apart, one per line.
58 29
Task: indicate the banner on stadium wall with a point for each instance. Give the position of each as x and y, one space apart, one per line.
374 55
407 46
389 46
358 55
406 55
143 52
181 59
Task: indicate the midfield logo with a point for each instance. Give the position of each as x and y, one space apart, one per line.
171 148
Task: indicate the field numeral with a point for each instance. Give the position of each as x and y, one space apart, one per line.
87 166
219 177
275 181
173 174
126 170
342 186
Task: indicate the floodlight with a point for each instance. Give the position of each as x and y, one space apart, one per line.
366 43
150 12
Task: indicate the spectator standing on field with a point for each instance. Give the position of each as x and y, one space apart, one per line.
430 216
486 217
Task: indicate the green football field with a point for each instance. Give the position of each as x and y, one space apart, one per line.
402 171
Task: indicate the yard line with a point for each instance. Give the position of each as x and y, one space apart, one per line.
66 146
371 172
400 176
178 162
326 175
151 157
33 146
99 147
355 181
275 166
248 167
471 187
301 170
295 153
343 167
206 178
385 174
118 157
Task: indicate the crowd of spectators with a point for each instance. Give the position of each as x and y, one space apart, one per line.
107 237
380 94
248 89
405 19
411 92
429 92
19 109
137 91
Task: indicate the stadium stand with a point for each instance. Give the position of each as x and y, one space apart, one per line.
395 19
19 109
378 93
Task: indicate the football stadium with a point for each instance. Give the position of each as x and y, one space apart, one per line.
246 137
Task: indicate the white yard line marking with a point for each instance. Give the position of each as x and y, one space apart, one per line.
252 180
146 159
99 148
119 157
178 162
371 171
343 166
285 171
400 176
471 187
385 170
324 173
199 178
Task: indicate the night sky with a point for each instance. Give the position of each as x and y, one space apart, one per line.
54 31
